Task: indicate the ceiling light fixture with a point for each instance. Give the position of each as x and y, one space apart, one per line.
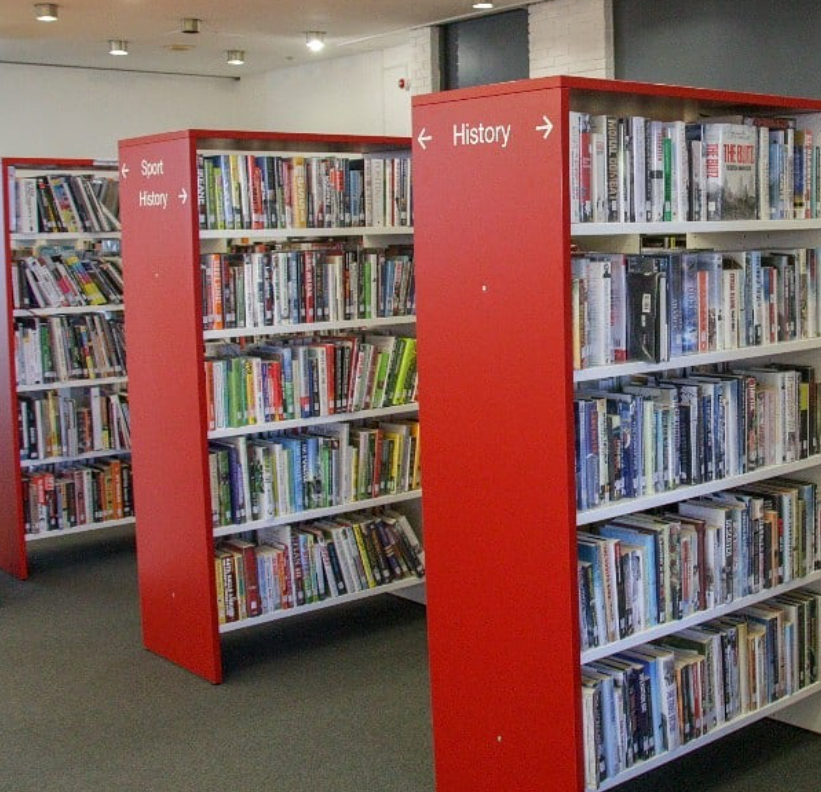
190 25
315 40
235 57
482 6
45 12
117 47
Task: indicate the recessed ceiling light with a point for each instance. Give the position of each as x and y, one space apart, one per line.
315 40
117 47
45 12
482 6
190 25
235 57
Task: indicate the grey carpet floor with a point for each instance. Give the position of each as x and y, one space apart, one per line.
332 702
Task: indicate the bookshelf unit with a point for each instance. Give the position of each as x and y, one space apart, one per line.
493 249
13 536
169 403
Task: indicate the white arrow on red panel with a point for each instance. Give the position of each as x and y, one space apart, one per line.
124 170
423 138
546 127
183 196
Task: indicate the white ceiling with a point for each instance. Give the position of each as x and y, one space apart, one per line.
272 32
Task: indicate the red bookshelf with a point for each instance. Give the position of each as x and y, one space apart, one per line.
162 245
493 242
13 539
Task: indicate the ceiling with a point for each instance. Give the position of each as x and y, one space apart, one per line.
272 32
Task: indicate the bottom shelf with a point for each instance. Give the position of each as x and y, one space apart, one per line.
389 588
80 529
721 731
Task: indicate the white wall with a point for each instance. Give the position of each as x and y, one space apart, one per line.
58 112
353 95
53 112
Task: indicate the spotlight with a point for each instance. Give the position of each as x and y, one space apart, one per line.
45 12
190 25
117 47
482 5
315 40
235 57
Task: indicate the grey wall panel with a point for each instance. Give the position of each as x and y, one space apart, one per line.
485 50
769 46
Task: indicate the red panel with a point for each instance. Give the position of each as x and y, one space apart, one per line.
166 394
492 253
592 85
357 143
12 537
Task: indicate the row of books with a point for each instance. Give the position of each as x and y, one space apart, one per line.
654 307
65 348
279 474
61 278
77 495
635 169
660 696
276 287
247 191
651 568
308 377
65 203
54 424
658 433
293 565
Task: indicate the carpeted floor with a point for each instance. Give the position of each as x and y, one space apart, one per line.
332 702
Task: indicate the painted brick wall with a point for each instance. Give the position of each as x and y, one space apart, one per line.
424 64
571 37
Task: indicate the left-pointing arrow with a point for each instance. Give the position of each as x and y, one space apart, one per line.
423 138
124 170
183 196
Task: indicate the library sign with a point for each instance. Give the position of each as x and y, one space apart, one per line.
482 134
150 198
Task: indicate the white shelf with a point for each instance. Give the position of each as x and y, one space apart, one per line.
630 505
67 236
30 463
99 526
317 514
80 383
701 227
388 588
305 327
668 628
720 731
298 423
697 359
303 233
68 309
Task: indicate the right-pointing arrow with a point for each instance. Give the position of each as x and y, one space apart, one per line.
423 138
546 127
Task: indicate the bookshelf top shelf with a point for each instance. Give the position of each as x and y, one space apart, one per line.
581 230
23 313
310 233
68 236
